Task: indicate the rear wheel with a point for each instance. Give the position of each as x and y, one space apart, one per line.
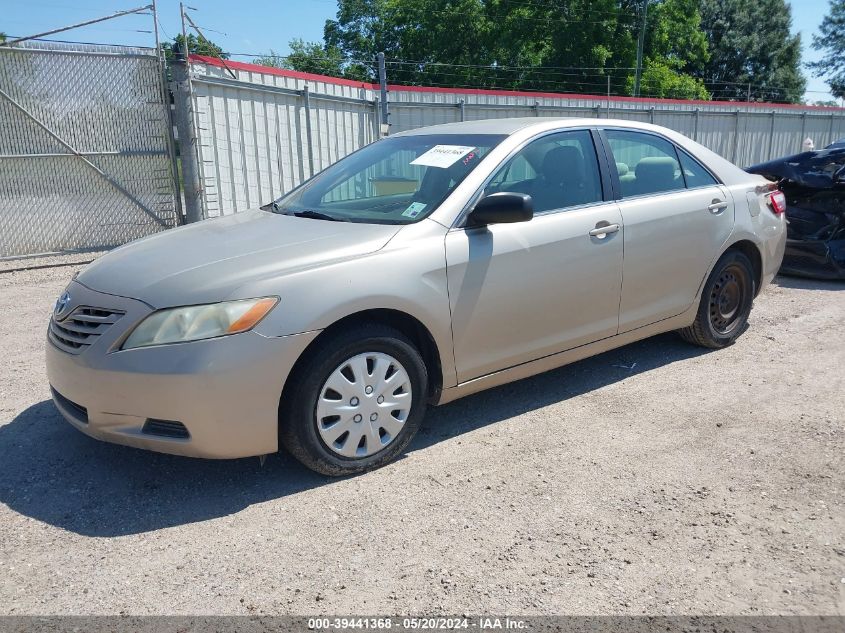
356 402
725 303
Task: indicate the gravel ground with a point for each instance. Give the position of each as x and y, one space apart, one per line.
655 479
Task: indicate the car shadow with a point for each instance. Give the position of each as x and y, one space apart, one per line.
557 385
54 474
808 283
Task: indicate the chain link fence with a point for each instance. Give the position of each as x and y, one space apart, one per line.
85 148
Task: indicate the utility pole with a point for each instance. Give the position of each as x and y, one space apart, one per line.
184 47
184 118
640 45
382 81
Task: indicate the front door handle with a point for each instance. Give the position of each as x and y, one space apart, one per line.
717 207
602 231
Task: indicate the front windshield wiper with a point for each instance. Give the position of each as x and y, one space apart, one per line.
316 215
307 213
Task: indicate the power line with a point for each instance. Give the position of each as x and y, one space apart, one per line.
555 77
406 68
83 42
503 66
138 10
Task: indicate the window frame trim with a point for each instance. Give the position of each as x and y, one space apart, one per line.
605 181
614 173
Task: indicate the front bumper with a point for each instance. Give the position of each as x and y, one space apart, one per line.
224 391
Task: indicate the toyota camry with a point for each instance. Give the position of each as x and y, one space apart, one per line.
422 268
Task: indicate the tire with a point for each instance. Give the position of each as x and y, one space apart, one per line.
313 415
725 303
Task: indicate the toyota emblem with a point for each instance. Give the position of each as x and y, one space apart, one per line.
61 304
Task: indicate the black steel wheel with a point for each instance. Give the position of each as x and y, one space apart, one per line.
726 298
725 303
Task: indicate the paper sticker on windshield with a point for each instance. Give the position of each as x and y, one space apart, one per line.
442 155
414 209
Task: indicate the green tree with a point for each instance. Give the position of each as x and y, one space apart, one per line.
572 45
675 35
660 79
424 35
751 50
566 46
313 57
271 59
589 41
675 50
831 40
488 43
196 46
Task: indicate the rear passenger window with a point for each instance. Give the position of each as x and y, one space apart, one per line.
645 163
558 171
694 173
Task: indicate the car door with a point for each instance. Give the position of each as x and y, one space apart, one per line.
677 218
522 291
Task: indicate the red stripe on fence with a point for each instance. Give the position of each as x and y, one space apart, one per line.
280 72
295 74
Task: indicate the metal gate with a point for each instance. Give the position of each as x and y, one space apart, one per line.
85 148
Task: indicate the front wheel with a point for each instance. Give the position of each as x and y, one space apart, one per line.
725 303
356 402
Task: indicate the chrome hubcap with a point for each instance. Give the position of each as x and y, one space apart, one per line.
364 404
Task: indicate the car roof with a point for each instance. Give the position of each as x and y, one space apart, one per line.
511 125
729 173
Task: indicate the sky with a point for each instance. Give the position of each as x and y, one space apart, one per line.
257 26
248 26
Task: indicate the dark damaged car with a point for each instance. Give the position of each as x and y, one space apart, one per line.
814 186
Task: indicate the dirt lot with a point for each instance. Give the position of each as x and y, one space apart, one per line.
654 479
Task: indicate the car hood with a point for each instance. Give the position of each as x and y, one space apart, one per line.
208 261
820 169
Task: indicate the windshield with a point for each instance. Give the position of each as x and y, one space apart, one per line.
397 180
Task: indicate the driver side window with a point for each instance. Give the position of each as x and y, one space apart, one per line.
518 170
559 170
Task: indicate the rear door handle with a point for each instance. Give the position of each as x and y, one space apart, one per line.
601 231
717 207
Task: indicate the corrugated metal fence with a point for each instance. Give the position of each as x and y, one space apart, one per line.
262 134
263 131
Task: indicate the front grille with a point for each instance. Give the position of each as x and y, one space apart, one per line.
165 428
77 411
81 328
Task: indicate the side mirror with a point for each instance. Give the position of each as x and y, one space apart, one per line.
501 208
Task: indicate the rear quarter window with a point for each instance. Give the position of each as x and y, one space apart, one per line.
694 172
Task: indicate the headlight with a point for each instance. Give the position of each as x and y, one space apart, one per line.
193 323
